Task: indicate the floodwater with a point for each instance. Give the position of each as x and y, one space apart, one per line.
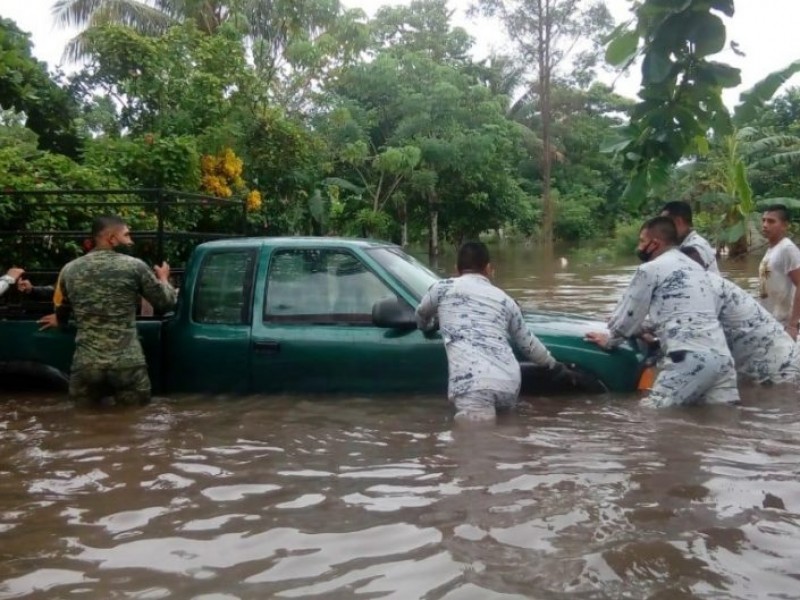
577 497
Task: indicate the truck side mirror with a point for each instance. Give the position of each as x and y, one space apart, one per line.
393 313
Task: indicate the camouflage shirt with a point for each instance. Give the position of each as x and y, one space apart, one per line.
101 290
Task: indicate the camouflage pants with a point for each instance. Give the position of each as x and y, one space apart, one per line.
91 386
483 405
695 378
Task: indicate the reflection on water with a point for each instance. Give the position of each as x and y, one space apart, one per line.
382 498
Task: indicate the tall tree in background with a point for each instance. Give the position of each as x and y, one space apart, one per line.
181 83
293 43
423 27
419 134
549 35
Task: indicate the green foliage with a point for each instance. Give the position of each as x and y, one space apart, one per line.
149 161
181 83
626 237
26 168
681 96
546 35
26 87
285 162
576 218
723 183
293 43
757 96
388 128
168 163
422 27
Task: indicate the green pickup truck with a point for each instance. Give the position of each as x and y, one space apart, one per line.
303 315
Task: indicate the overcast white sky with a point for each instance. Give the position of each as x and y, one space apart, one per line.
766 31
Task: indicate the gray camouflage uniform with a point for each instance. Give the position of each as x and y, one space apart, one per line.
101 290
478 322
695 241
761 349
678 296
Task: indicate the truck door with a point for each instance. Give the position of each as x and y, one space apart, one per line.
315 331
208 347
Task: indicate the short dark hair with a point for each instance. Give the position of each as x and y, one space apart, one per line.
472 256
780 210
678 208
101 224
662 228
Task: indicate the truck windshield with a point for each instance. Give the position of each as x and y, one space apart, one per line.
415 276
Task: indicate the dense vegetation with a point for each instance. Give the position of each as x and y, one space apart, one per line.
323 121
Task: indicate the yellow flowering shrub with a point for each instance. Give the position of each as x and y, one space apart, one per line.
222 177
253 201
221 174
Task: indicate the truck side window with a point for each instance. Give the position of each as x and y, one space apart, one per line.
321 286
224 288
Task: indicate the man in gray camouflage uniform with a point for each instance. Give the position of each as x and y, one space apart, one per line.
698 247
479 322
675 292
101 290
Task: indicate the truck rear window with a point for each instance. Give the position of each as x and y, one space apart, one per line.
224 288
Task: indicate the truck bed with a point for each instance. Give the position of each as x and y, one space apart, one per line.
45 356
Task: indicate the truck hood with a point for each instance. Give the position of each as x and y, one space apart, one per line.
555 324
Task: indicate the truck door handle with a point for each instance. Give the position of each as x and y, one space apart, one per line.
267 346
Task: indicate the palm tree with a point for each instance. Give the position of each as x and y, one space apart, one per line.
149 17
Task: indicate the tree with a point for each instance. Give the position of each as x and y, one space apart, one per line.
775 173
422 27
547 34
285 161
424 140
681 91
181 83
27 168
589 182
292 42
26 87
147 17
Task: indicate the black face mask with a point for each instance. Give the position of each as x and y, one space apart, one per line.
645 255
126 249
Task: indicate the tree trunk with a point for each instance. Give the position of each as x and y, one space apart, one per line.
739 248
548 210
404 231
433 240
548 216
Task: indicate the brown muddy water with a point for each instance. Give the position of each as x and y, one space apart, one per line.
278 497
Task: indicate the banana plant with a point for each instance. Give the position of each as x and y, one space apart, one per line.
728 192
736 155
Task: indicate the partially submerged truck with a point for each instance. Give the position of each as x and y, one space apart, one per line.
305 315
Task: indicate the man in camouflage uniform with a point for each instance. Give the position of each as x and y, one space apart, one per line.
101 289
